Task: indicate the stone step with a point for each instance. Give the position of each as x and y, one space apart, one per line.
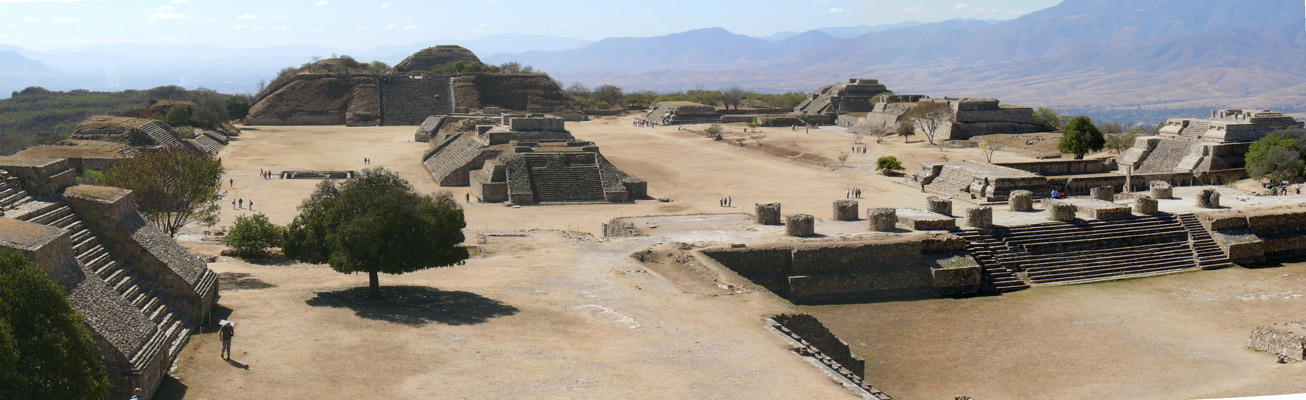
1122 271
1138 273
1117 260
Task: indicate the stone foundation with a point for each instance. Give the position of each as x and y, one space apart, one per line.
925 220
768 214
1059 211
1208 198
1021 201
940 206
1104 193
882 219
1283 340
1145 205
979 217
801 225
845 210
1161 189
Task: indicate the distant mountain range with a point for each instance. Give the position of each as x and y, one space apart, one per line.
1099 53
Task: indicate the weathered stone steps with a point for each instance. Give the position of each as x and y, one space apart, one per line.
158 131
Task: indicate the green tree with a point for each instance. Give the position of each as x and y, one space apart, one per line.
45 349
1079 137
733 96
1047 117
929 117
610 94
888 164
905 130
1278 156
253 235
1119 142
376 223
177 116
174 187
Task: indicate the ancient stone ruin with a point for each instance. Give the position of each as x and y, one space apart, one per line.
1021 201
801 225
938 205
1145 205
682 112
1160 189
767 214
529 159
882 219
841 98
1212 150
398 99
973 117
845 210
1208 198
1287 340
1104 193
425 59
1061 211
979 217
140 293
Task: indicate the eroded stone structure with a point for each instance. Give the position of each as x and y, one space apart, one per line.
682 112
141 293
882 219
841 98
1287 340
767 214
801 225
972 116
529 159
846 210
1211 149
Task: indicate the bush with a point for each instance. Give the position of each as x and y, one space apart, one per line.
888 164
253 235
177 116
714 130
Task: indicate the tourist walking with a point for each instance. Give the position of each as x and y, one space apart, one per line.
469 197
225 333
136 394
857 194
848 194
233 204
241 202
251 205
231 182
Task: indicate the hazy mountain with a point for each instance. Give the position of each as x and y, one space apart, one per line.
848 32
13 64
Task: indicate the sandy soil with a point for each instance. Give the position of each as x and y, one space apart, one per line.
1173 337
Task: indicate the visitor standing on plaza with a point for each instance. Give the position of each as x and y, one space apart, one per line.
225 333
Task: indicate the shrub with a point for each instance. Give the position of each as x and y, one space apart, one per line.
888 164
253 235
177 116
714 130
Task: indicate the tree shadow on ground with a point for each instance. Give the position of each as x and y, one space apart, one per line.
273 258
241 280
415 305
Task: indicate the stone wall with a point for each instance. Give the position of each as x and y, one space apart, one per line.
801 225
845 210
409 101
40 176
767 214
809 329
1287 340
1065 167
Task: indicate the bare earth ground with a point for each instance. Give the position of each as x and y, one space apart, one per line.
544 314
1172 337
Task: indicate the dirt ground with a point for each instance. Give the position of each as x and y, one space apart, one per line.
548 311
1174 337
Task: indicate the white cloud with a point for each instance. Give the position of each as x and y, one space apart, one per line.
360 28
915 10
385 6
319 29
961 8
246 17
321 3
836 10
30 19
166 15
391 27
163 8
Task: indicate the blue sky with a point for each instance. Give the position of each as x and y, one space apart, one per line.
362 24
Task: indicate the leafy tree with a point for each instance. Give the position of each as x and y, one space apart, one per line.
989 146
174 187
1047 117
610 94
843 158
376 223
178 115
238 106
929 117
713 130
1278 156
1079 137
253 235
888 164
906 131
45 348
1119 142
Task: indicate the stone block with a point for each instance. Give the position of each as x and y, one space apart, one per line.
845 210
1286 340
801 225
1104 193
1161 189
1060 211
882 219
939 205
1021 201
925 220
1145 205
1208 198
979 217
768 214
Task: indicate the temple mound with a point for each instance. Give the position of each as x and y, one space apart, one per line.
362 99
1212 147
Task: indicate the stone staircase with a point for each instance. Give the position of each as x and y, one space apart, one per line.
161 134
556 181
1065 253
406 101
951 181
1195 130
207 144
452 156
12 195
141 292
1209 254
1165 157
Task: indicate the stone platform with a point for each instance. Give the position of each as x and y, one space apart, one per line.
1099 209
924 220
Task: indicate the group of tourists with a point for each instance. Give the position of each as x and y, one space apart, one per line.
1282 189
1058 194
240 204
468 198
859 149
853 193
644 123
265 174
727 201
367 161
